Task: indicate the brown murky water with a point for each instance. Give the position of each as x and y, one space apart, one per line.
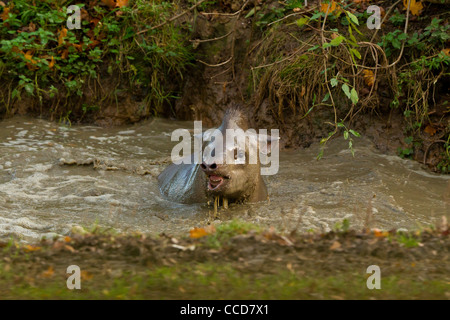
42 197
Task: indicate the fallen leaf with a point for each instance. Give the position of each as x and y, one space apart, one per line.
328 7
48 273
415 7
198 233
430 130
335 246
5 13
30 248
67 238
121 3
380 234
62 35
64 54
77 46
29 56
69 248
446 51
297 9
369 78
2 4
85 275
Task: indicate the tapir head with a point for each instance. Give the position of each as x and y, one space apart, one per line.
231 159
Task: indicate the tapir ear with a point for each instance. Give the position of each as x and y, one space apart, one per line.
270 143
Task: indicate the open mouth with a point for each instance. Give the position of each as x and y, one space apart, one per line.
215 182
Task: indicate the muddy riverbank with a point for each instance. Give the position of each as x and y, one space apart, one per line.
275 58
236 261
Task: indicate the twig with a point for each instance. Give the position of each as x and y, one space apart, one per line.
219 74
220 14
325 67
404 41
216 65
213 39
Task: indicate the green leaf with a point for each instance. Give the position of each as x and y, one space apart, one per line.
353 18
346 90
310 109
320 155
250 13
29 88
317 15
336 41
334 82
15 93
313 48
356 134
302 21
354 96
345 135
355 52
327 96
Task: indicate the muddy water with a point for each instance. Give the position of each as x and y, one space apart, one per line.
54 177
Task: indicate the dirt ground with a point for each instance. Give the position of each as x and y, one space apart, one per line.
231 264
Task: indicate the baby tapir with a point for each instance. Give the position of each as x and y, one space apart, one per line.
227 170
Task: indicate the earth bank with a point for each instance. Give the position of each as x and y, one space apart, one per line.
236 261
191 61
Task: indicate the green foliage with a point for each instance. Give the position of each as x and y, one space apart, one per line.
342 227
225 231
408 151
392 40
408 240
268 16
44 58
437 32
347 133
444 164
397 19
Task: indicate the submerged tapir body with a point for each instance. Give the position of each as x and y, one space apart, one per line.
233 181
